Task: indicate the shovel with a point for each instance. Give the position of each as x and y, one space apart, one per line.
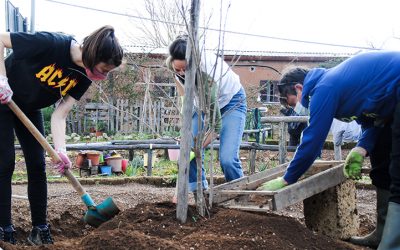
96 214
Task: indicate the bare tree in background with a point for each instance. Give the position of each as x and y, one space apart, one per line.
168 19
165 24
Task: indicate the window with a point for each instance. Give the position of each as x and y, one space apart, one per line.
268 91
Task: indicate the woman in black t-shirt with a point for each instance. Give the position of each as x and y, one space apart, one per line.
43 69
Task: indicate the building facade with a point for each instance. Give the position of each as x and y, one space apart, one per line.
260 73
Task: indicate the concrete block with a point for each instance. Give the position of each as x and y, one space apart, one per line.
333 212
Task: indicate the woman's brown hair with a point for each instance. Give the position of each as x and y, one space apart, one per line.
101 46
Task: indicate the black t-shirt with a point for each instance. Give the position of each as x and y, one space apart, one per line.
40 70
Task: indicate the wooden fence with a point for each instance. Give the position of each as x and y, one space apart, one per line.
126 117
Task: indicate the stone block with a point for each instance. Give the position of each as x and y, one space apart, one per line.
334 211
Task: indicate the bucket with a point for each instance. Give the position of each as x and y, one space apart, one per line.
115 163
173 154
105 170
94 156
124 164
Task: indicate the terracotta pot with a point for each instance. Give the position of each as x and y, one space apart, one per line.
80 160
94 157
99 133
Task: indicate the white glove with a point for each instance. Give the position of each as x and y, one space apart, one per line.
5 90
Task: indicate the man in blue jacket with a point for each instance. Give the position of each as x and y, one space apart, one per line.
364 88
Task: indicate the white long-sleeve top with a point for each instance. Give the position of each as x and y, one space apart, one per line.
218 70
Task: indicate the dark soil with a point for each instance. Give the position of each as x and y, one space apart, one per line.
148 221
154 226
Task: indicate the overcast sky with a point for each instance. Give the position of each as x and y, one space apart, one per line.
360 23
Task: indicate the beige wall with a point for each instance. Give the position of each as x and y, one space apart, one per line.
252 72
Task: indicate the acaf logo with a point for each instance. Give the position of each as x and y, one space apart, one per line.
54 78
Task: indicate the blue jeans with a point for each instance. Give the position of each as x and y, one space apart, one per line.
233 122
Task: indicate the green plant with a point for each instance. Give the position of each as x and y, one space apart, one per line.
142 136
19 176
171 133
47 112
263 166
207 162
165 167
101 126
135 167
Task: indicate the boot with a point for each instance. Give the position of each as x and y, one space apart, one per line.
391 232
373 239
7 234
40 235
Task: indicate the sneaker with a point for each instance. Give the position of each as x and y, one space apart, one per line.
7 234
40 235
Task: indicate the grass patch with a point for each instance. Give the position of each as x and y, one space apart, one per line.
19 176
165 167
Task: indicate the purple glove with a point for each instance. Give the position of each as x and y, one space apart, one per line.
5 90
64 164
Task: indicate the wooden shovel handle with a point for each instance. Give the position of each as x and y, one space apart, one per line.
45 144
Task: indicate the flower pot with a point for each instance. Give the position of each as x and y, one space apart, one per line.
115 163
124 165
80 159
94 156
173 154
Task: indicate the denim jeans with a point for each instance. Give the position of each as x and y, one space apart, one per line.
233 122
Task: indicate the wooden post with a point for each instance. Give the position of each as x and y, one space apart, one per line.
117 112
252 161
78 118
111 109
246 137
338 151
186 130
263 138
149 162
131 119
121 122
84 120
282 142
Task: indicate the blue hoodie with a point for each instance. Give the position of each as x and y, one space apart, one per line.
364 88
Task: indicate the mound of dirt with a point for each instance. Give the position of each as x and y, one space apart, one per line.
154 226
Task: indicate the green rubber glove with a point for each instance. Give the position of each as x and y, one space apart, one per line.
353 163
273 185
191 156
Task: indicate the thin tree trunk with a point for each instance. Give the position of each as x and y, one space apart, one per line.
186 131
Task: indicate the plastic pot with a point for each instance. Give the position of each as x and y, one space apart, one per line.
124 165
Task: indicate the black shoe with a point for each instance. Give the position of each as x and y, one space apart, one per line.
7 234
40 235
